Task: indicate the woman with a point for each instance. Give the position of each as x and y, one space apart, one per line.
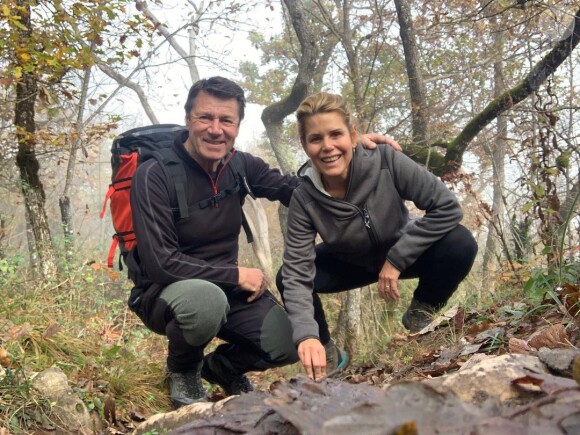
355 200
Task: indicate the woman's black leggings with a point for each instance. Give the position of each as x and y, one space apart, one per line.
440 269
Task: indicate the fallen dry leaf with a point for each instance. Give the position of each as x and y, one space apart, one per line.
547 383
5 360
408 428
570 297
528 383
517 345
576 369
96 266
553 337
19 331
52 329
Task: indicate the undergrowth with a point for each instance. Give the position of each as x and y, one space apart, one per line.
80 325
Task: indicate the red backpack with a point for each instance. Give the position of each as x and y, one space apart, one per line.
133 147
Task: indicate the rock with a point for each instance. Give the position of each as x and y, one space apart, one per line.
331 407
164 422
489 378
69 413
488 395
559 360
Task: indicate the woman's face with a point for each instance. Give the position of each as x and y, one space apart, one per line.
329 143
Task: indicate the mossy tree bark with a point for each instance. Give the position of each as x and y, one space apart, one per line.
452 159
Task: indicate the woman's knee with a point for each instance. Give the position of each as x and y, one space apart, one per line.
460 246
466 245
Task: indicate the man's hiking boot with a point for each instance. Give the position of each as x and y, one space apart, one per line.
186 388
230 383
418 315
336 358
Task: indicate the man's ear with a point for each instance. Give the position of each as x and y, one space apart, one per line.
187 119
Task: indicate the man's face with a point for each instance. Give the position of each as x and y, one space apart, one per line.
213 126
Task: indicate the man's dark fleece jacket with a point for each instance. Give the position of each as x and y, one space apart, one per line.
204 245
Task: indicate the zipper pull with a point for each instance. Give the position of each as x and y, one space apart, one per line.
367 218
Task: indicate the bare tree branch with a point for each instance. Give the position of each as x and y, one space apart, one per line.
170 37
452 160
135 87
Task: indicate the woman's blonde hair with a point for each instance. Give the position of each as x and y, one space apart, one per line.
321 102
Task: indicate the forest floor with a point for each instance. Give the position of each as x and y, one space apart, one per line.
455 339
116 367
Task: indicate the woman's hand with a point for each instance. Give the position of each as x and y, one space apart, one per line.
370 141
313 357
388 284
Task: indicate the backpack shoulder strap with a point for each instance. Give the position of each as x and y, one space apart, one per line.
176 173
238 167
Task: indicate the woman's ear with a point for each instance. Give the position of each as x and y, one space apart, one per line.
354 136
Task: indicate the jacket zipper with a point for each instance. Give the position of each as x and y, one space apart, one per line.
366 220
368 223
214 184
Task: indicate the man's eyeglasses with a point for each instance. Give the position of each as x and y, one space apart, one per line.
209 120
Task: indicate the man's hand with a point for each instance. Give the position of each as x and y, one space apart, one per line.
370 141
252 280
313 357
388 284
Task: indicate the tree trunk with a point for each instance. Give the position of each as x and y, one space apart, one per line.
498 151
311 66
2 236
258 222
31 185
67 226
32 255
64 200
419 110
308 71
348 325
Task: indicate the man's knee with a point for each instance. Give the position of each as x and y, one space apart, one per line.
200 309
280 283
277 339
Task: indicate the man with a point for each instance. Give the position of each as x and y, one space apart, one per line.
190 287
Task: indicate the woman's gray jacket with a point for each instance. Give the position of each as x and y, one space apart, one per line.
369 226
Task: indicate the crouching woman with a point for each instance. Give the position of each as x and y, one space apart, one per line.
355 200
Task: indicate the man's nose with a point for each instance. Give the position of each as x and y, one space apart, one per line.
215 126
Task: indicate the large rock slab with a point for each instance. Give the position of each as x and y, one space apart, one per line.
510 394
